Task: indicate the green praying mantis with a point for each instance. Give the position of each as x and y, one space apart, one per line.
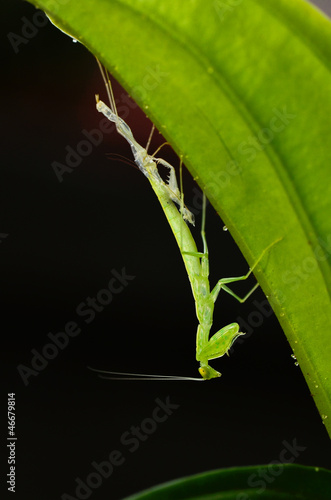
196 263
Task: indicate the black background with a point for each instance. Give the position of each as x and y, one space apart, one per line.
64 239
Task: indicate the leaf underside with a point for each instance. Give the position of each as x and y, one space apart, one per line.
243 91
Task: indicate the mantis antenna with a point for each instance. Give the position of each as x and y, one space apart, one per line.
140 376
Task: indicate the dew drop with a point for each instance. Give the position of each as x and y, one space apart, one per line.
324 417
282 314
293 356
296 364
316 386
225 228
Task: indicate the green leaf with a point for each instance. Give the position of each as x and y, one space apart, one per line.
274 482
243 90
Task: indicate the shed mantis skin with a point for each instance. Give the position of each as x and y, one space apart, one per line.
196 263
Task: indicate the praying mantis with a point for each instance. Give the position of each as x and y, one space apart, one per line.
196 263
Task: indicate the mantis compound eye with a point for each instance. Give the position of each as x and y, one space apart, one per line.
204 373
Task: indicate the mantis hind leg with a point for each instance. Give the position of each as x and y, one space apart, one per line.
221 284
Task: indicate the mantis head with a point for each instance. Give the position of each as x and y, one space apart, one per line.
207 372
